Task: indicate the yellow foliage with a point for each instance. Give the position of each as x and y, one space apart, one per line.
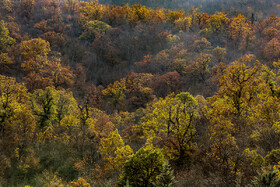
80 183
183 23
114 151
256 159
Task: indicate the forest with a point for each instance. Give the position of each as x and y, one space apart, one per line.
139 93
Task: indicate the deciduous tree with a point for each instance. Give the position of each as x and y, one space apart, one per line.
170 122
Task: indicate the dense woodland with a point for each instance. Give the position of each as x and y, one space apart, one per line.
139 93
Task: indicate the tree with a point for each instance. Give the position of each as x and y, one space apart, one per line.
183 23
119 14
115 94
167 83
17 124
61 76
56 40
42 70
199 68
170 122
166 178
224 154
172 16
237 83
139 13
219 54
229 115
266 178
5 60
91 125
216 27
138 91
14 107
52 106
265 116
94 28
272 49
26 8
114 152
80 183
238 27
217 23
34 53
201 45
5 39
34 81
91 11
199 19
33 48
44 106
143 168
6 6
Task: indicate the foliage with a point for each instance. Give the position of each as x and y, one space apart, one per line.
266 178
85 84
80 182
143 168
5 39
17 124
166 178
93 29
34 48
115 94
114 151
171 121
217 23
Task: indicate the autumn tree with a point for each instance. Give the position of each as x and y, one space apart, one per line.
217 23
170 122
34 53
199 19
265 116
43 70
139 13
230 128
61 75
114 152
183 23
272 49
90 126
167 83
56 40
173 59
219 54
53 109
201 45
91 11
238 29
238 82
26 8
6 6
138 90
143 168
94 28
216 27
199 68
119 14
115 94
5 39
17 124
266 178
172 16
44 106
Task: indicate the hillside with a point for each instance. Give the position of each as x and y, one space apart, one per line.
140 93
